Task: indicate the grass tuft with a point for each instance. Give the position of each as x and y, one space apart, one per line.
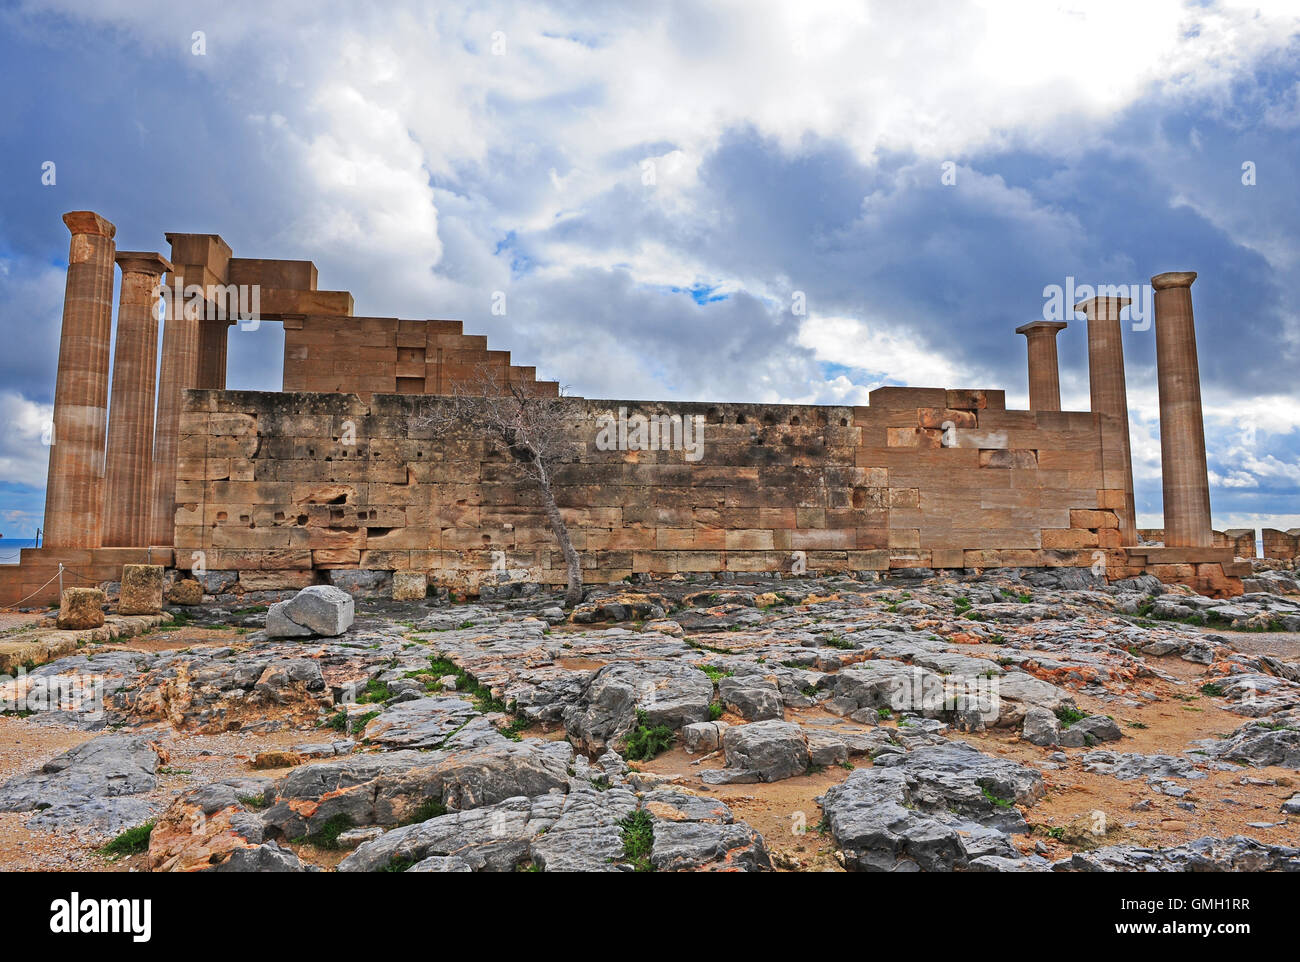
645 741
638 839
131 842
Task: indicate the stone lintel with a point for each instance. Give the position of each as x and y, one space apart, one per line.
282 274
203 250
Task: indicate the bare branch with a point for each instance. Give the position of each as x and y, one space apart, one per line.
537 433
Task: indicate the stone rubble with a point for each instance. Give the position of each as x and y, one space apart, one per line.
879 688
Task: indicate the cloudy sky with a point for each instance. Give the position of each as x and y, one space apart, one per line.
656 188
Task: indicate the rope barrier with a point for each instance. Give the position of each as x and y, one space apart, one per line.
81 575
41 588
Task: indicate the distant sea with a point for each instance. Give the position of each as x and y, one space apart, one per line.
9 548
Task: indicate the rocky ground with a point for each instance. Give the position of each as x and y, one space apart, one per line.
1009 721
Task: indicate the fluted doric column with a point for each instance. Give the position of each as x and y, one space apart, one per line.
1044 369
129 457
1109 394
75 485
1183 467
177 373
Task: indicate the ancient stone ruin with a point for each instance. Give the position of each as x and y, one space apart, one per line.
340 472
924 634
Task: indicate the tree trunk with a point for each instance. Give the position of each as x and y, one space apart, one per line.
573 594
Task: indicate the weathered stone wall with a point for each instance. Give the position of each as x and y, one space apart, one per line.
385 355
298 482
1281 545
1241 541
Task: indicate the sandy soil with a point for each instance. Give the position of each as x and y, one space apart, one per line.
1283 644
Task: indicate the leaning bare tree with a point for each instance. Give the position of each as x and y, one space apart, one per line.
536 432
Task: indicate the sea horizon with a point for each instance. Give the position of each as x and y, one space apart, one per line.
10 547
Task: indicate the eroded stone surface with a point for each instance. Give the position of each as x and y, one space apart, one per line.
935 810
843 681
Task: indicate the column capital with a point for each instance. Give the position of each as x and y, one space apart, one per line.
1103 308
88 222
1168 279
1041 327
143 262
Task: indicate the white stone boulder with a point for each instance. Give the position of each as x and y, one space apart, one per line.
316 610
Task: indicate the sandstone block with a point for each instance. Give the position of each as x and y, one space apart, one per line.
947 558
938 417
187 591
81 608
142 590
1082 518
1069 538
409 586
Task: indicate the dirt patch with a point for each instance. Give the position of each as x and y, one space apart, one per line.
785 813
1225 803
1280 644
580 664
171 638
